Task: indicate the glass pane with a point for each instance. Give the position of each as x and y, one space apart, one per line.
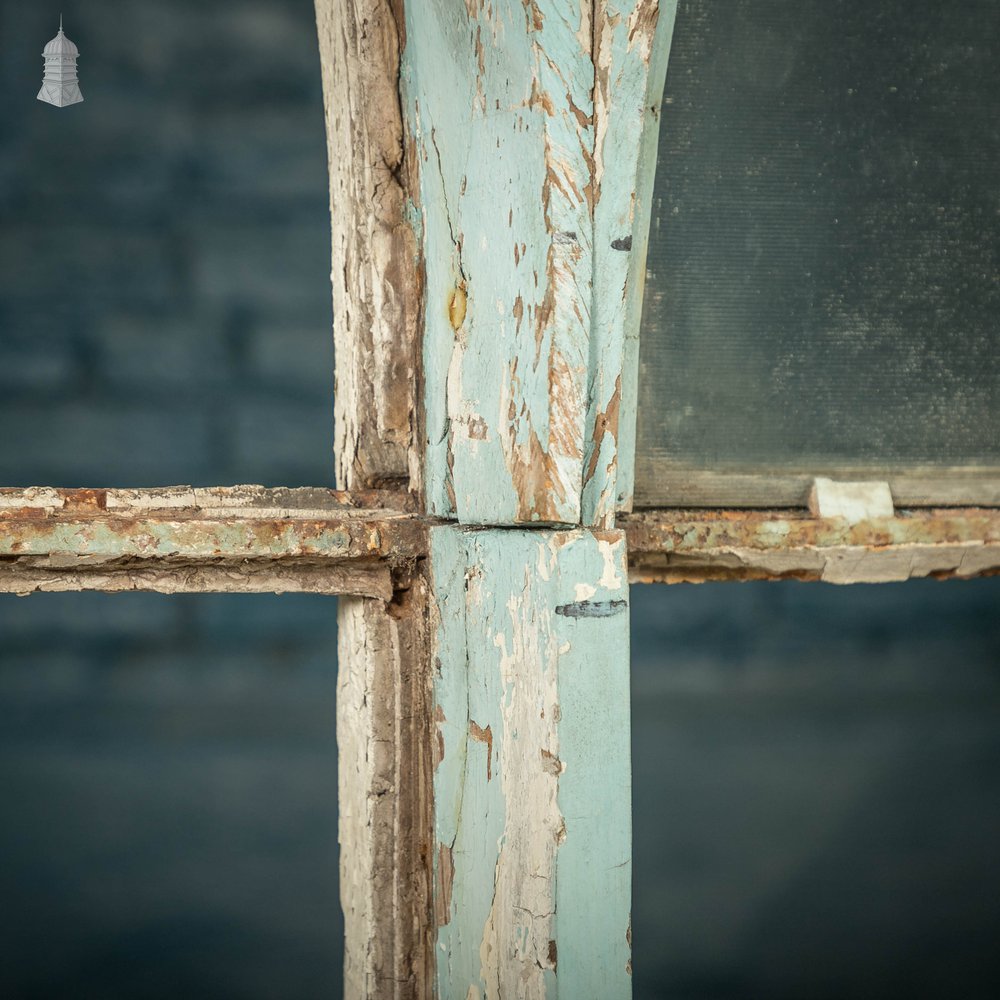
816 781
165 307
169 776
823 285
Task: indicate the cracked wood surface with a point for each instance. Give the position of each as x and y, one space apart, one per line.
384 786
532 795
685 546
375 272
238 539
522 368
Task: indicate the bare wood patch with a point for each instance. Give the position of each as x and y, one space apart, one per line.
499 106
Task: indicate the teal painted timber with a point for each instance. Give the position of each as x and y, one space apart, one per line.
532 795
632 41
533 123
498 103
647 129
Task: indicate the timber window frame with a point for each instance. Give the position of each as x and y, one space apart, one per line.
485 454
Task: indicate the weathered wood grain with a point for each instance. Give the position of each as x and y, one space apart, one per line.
535 128
375 274
384 786
531 783
498 99
631 51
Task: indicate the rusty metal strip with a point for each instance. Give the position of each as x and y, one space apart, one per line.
687 546
247 539
195 500
241 539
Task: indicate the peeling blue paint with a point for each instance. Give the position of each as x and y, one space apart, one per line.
528 849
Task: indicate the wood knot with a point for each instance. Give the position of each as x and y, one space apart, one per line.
457 304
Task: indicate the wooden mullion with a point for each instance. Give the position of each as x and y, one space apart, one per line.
376 272
383 712
532 791
535 129
632 44
481 210
384 794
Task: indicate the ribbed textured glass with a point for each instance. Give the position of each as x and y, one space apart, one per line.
823 285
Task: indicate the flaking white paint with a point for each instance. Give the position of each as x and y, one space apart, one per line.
514 949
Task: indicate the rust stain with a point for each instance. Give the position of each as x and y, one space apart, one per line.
83 500
484 736
664 530
25 514
688 546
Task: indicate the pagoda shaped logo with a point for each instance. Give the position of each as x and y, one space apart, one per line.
60 86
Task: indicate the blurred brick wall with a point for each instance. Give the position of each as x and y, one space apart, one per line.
164 278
